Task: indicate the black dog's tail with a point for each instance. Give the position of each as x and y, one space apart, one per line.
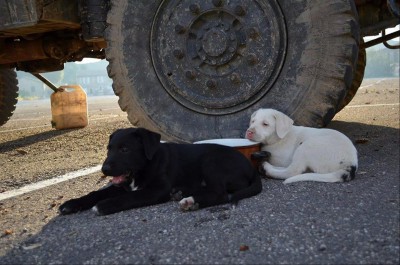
254 188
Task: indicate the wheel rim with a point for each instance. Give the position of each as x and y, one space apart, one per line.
205 53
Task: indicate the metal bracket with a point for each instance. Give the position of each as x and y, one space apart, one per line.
387 45
383 40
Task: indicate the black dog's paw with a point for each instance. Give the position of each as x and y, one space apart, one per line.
71 206
188 204
105 207
96 210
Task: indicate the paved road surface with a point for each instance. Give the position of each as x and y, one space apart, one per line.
303 223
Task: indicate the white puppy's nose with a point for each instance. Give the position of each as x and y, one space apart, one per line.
249 134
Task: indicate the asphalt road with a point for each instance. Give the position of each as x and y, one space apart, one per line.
302 223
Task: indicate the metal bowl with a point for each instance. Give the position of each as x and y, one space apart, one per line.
245 146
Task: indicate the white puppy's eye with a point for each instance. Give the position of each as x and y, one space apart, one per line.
265 124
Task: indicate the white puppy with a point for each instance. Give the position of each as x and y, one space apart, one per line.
302 153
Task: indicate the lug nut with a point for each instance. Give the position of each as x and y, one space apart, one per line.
252 59
211 83
235 78
178 53
253 33
179 29
194 8
217 3
239 10
189 74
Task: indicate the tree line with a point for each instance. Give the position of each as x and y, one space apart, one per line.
382 62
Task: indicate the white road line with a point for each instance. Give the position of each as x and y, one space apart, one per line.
26 128
48 182
103 118
372 105
33 119
373 84
105 109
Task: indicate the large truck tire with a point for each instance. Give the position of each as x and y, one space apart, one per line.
195 70
8 94
357 78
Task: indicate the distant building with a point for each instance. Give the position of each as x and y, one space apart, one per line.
396 69
94 79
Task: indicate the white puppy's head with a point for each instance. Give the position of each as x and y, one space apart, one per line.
268 126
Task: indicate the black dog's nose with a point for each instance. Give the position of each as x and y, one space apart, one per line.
106 169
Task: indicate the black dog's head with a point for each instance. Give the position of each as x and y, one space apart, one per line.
129 150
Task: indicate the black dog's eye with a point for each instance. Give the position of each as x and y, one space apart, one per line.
124 149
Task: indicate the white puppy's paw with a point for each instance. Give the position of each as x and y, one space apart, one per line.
188 204
266 169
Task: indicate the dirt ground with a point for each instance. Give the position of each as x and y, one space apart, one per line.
30 151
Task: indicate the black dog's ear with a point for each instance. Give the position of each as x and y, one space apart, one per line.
111 135
151 141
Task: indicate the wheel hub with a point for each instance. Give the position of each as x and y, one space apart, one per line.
214 42
216 57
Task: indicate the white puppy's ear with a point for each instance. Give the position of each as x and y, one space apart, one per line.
283 124
254 114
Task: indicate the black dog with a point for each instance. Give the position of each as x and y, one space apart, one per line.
147 172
